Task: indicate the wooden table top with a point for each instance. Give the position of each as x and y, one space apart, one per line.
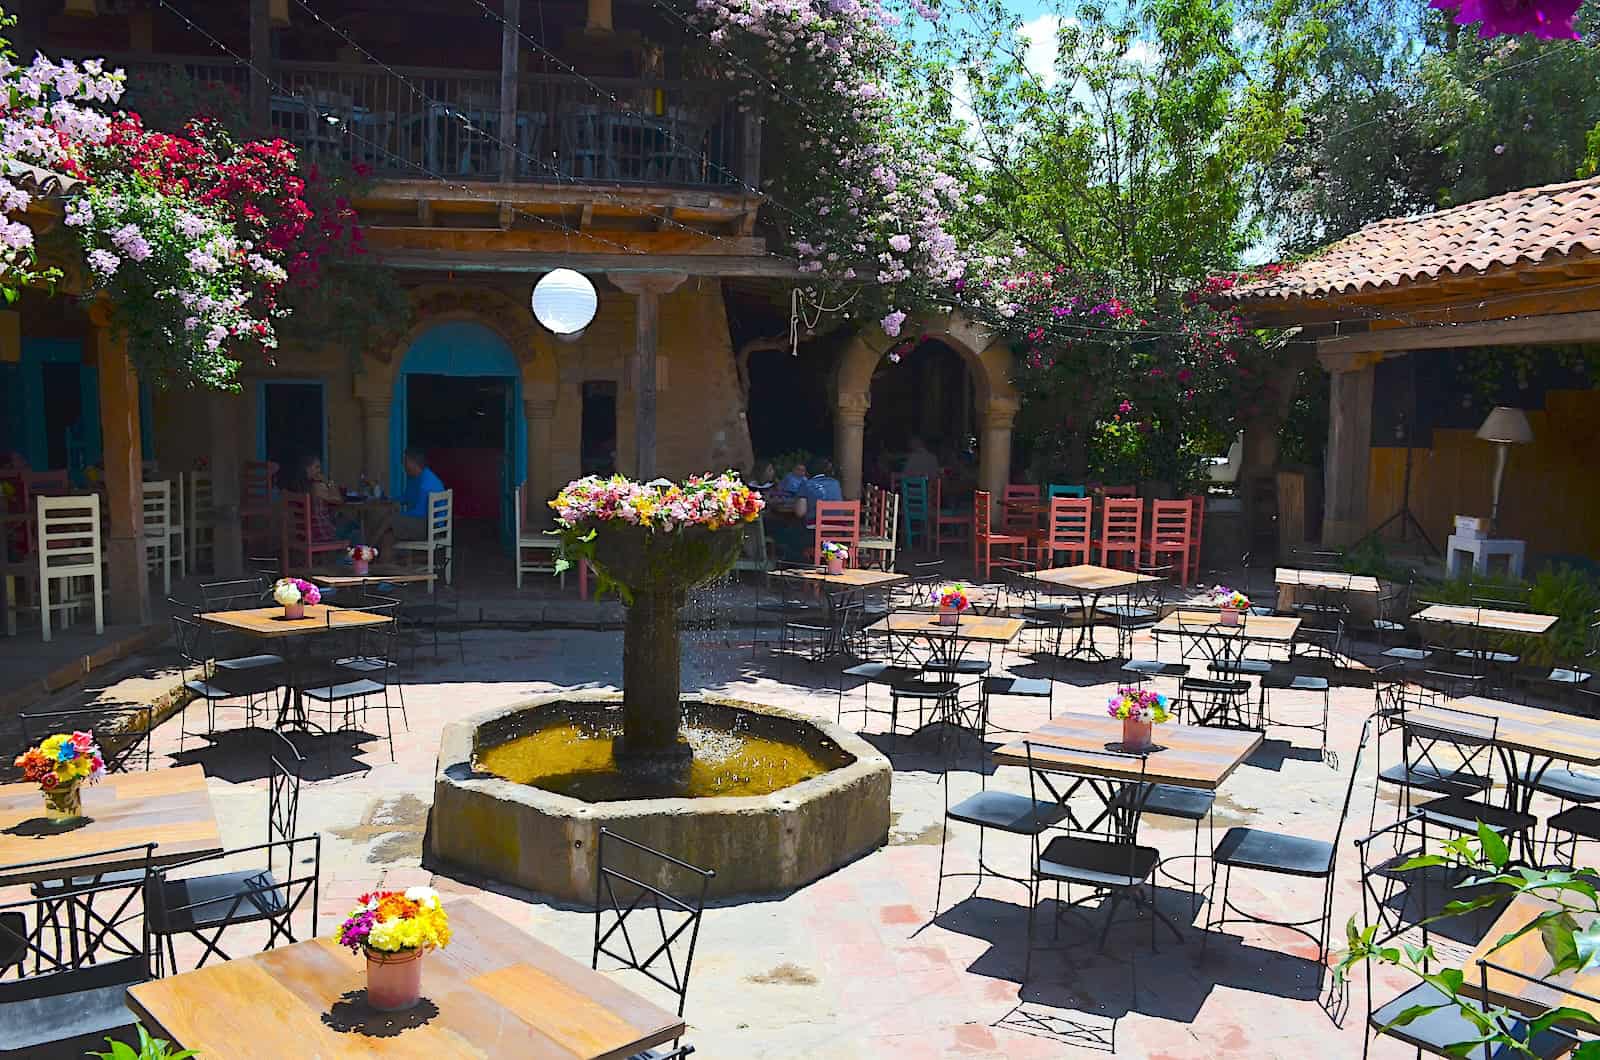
1531 730
1087 577
1192 756
1488 618
344 577
1271 629
1326 579
169 807
853 577
493 992
1527 956
269 621
982 629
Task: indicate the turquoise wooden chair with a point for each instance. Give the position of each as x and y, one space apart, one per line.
916 511
1058 490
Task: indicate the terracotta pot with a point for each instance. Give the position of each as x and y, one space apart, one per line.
64 802
1135 734
835 565
949 616
394 980
362 566
1230 616
293 611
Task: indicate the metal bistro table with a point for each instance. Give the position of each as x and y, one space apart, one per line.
268 623
1093 582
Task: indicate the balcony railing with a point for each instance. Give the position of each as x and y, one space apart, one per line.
428 124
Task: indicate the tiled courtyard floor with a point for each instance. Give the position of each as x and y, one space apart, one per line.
851 966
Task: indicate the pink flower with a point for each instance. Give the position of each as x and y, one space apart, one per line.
1545 19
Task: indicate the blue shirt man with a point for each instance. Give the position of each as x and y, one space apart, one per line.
793 482
820 487
420 481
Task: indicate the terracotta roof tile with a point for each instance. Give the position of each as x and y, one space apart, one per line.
1527 226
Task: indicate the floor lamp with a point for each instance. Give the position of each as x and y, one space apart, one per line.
1505 427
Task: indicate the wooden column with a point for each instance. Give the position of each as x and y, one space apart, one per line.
647 289
509 44
375 412
541 413
127 586
849 429
261 61
225 416
1344 517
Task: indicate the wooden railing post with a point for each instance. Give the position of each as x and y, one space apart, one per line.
509 45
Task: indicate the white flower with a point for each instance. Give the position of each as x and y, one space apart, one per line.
891 324
286 593
104 262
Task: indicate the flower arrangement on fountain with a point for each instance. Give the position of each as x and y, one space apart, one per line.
1139 710
60 765
294 594
1231 602
362 556
394 929
835 556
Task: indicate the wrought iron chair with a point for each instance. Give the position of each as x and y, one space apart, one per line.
1224 699
372 648
213 685
123 732
665 899
1452 735
441 606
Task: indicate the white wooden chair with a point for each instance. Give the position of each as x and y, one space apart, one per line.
441 524
158 531
200 524
883 528
69 553
536 550
177 525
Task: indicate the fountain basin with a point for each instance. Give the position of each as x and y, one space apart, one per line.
546 840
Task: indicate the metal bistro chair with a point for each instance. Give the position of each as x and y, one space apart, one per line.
638 882
441 605
1142 611
1224 699
214 685
123 732
777 604
204 906
368 665
83 966
235 595
1462 736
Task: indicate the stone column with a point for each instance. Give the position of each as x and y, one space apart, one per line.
540 487
128 587
375 413
225 415
994 450
647 289
849 428
1344 517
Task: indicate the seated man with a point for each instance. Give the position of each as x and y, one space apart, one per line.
819 487
410 523
792 482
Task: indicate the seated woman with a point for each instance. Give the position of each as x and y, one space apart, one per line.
309 479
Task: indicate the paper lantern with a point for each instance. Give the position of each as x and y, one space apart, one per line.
565 302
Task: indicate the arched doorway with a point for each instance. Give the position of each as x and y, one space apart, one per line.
929 394
458 396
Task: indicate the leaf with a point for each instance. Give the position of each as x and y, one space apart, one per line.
1587 1051
1565 1014
1557 933
1587 944
1494 847
1415 1012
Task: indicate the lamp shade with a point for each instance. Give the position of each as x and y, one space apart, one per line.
564 301
1506 424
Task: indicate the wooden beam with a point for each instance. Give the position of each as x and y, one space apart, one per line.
645 199
1529 330
536 262
534 240
511 13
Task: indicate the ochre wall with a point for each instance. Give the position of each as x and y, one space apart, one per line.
1551 496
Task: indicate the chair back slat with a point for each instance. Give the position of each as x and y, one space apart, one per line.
1062 490
157 509
981 515
839 522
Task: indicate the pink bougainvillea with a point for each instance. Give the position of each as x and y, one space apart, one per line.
1545 19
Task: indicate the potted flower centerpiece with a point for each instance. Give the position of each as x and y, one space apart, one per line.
394 929
1140 710
1231 602
835 556
650 543
362 557
61 765
951 600
294 594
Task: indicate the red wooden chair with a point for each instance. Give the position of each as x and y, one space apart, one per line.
1121 530
1119 491
298 542
1021 504
838 521
1071 523
985 540
1171 533
1194 540
949 528
255 504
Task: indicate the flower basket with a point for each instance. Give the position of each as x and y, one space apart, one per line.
644 561
835 565
394 980
64 802
294 594
1136 734
294 611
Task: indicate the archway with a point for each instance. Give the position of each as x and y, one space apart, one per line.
458 395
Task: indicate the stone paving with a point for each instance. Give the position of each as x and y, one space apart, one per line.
852 966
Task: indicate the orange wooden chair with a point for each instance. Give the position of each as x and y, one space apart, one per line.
299 548
1020 502
1071 524
255 504
1199 503
1171 533
1121 530
949 527
838 521
985 540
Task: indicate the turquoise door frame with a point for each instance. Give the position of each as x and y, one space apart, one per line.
461 348
28 407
